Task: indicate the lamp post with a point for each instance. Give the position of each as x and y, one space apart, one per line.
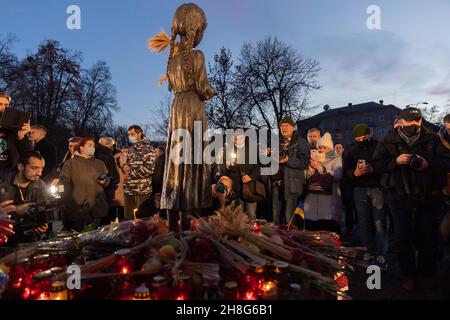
415 105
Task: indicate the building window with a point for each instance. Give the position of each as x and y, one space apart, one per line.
339 136
381 118
382 132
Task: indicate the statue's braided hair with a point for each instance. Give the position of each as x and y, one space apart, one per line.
188 21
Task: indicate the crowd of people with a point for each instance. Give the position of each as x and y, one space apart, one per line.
399 185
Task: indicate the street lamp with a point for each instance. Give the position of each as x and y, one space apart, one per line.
415 105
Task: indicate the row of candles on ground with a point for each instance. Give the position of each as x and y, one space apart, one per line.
32 278
260 282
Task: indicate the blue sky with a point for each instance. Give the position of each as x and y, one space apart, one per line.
407 61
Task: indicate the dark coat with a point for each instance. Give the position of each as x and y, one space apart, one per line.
243 168
106 155
441 163
158 175
17 147
404 185
294 171
48 151
351 158
85 197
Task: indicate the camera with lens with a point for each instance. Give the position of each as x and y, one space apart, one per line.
283 155
221 188
416 162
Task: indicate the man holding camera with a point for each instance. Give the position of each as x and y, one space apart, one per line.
288 184
21 189
403 160
13 143
367 195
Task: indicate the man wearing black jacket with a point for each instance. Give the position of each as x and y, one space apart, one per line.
367 194
242 171
288 183
104 152
46 149
405 162
13 143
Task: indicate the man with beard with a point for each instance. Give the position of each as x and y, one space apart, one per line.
13 143
314 136
26 188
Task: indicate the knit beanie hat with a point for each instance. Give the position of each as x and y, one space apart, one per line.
326 141
288 120
360 130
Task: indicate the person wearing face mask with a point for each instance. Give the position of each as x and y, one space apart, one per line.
139 169
404 159
84 179
367 195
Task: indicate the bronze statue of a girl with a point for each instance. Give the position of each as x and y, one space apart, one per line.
186 186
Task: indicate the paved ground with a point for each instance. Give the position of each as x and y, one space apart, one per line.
391 281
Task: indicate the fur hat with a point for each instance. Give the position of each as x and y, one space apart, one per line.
326 141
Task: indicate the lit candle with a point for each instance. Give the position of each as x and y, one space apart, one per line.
269 291
58 291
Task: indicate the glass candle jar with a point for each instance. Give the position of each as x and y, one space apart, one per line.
281 275
231 291
58 291
40 288
123 262
161 289
269 290
185 288
255 277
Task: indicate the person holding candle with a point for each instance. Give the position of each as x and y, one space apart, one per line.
139 169
242 171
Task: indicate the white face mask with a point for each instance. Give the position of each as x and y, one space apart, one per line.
89 151
132 140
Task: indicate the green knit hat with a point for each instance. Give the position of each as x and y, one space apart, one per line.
360 130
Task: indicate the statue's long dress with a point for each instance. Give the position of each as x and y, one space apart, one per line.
186 187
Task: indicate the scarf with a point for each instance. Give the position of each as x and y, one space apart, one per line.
409 140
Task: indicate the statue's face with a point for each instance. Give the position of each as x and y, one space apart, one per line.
198 37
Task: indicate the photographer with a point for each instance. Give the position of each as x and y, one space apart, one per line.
13 143
288 183
84 179
223 193
25 189
403 161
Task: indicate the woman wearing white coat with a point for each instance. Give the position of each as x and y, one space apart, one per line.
323 211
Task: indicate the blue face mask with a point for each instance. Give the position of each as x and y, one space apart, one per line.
132 140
